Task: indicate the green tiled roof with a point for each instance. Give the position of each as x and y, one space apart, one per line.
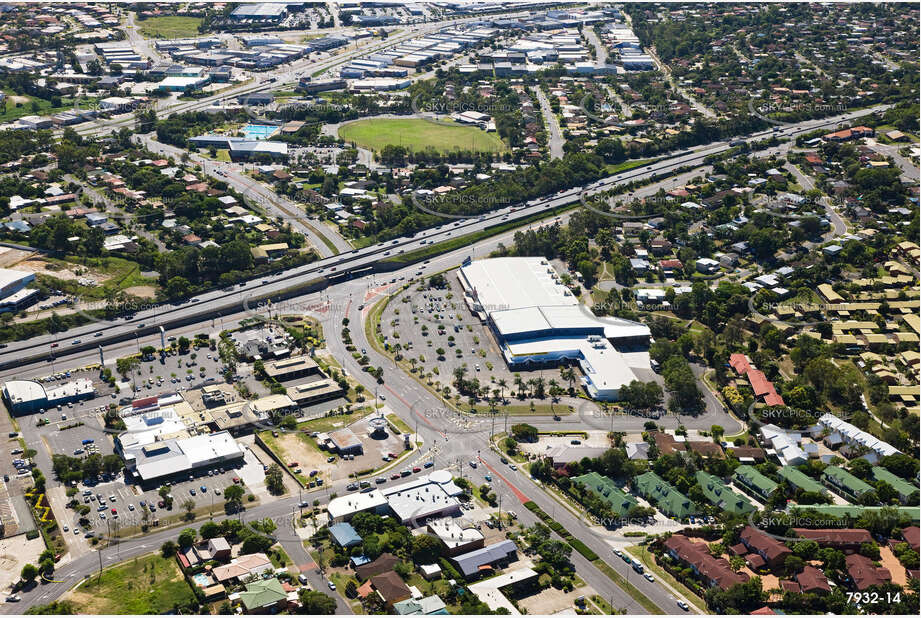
899 484
604 488
721 496
262 593
801 481
844 480
667 499
749 477
843 510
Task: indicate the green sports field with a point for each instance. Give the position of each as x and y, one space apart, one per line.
169 27
418 134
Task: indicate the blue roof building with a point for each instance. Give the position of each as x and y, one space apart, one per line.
344 535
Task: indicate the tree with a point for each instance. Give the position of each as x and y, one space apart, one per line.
187 538
234 496
274 481
426 549
524 432
29 572
209 530
317 603
168 549
255 544
188 506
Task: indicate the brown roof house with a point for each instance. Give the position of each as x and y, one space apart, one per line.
391 588
713 571
812 580
772 551
864 573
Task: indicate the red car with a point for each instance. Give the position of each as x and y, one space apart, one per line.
293 464
114 512
417 469
394 477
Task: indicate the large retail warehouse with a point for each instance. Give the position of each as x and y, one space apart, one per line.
537 322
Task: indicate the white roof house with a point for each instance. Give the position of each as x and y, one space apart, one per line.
785 445
850 434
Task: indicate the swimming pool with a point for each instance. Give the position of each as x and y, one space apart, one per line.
259 131
202 579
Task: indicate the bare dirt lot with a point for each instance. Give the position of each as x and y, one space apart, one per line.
9 256
15 552
141 291
42 267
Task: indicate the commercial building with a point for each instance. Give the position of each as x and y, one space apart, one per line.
456 539
241 148
11 281
538 322
292 368
26 396
414 503
260 12
174 458
314 392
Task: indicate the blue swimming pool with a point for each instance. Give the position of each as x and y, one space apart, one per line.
259 131
202 579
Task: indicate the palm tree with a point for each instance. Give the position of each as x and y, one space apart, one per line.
531 382
520 384
568 374
502 386
554 387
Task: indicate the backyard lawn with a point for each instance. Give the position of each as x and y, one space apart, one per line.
418 134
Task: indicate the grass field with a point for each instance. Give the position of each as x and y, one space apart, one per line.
147 585
419 134
171 27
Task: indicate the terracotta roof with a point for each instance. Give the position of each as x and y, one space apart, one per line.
707 449
748 451
768 547
812 580
864 574
716 570
740 363
763 611
835 537
911 536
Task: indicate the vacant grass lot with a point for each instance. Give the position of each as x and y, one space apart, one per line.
147 585
171 27
419 134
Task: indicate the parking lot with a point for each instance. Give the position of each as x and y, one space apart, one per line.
205 488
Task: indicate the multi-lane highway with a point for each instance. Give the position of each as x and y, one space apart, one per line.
347 282
336 268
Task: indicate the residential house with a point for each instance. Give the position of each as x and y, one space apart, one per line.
755 482
666 498
390 587
722 496
772 551
264 596
847 540
863 573
713 571
483 560
845 483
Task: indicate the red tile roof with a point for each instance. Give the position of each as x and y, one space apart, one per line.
770 548
740 363
813 580
715 570
864 574
836 537
911 536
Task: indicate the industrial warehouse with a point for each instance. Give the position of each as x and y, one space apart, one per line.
538 322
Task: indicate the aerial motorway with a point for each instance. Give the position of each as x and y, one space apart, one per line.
330 270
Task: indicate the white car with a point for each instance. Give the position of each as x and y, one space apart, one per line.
649 577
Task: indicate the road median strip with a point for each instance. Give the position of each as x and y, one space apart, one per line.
592 557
